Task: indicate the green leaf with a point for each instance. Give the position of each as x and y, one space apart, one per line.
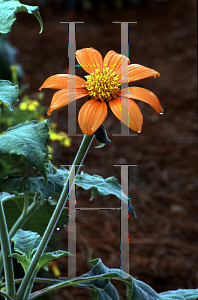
98 281
47 257
97 184
23 260
8 93
101 186
136 290
51 169
56 181
100 146
191 294
5 196
28 139
101 288
58 177
15 184
26 242
13 207
34 184
7 14
142 291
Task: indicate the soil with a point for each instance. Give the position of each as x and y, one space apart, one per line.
163 186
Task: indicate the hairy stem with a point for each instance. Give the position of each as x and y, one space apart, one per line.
26 214
4 294
6 252
37 279
85 144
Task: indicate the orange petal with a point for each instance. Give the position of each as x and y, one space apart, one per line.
61 81
133 119
135 72
91 115
142 94
114 61
89 59
63 97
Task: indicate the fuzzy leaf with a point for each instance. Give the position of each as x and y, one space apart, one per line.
15 184
5 196
47 257
23 260
13 207
136 290
28 139
98 281
191 294
101 186
26 242
142 291
8 93
7 14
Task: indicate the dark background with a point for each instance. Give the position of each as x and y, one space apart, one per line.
163 186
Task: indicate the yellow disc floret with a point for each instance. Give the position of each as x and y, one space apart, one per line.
103 85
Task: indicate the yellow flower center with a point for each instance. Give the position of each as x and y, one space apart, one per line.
103 85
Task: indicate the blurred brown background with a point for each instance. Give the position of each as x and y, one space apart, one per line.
163 187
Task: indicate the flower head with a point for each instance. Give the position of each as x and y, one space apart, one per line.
103 86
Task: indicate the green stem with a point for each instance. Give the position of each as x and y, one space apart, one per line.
30 285
6 295
6 250
26 201
26 214
14 69
71 282
37 279
85 144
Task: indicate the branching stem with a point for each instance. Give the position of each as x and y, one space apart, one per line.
6 252
85 144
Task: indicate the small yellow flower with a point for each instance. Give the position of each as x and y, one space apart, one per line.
23 106
60 136
53 266
30 105
53 136
65 140
33 105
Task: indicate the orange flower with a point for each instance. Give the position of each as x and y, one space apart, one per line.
102 86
